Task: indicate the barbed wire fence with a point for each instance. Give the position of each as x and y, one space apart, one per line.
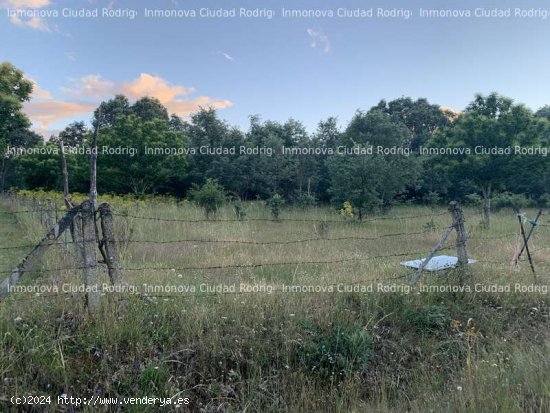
100 237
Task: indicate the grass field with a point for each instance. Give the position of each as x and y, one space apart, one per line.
333 347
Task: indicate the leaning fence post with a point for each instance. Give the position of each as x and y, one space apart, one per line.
50 221
526 244
111 254
26 264
78 239
89 259
418 273
461 235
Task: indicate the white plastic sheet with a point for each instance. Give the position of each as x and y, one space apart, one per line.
438 263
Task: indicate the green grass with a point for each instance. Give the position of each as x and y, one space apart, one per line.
279 352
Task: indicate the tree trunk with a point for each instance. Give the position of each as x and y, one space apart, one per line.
3 170
486 205
66 196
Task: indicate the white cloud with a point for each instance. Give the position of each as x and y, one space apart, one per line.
150 85
319 40
34 22
85 94
48 112
227 56
174 97
24 4
39 93
44 110
89 86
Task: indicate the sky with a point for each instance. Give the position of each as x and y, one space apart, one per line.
306 68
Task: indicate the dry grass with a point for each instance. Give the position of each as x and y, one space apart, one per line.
272 352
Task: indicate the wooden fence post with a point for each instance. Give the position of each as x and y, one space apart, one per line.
50 221
461 238
461 235
65 175
78 239
437 247
89 259
110 253
33 257
93 163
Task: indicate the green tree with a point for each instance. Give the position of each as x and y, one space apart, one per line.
73 135
146 108
489 121
14 124
154 168
109 112
210 197
205 129
275 204
39 170
149 108
534 179
275 173
326 137
420 117
544 112
372 181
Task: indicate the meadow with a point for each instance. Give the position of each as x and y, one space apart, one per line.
310 312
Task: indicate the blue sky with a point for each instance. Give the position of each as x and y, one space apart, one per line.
305 68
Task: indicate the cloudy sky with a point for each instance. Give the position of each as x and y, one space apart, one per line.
306 68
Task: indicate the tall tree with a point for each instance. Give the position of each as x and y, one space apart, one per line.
149 108
274 173
489 122
420 117
14 124
543 112
326 136
158 171
73 135
111 110
372 181
205 129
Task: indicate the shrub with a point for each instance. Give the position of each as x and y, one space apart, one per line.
275 203
544 201
306 201
210 197
426 319
239 210
473 199
347 211
339 351
432 198
509 200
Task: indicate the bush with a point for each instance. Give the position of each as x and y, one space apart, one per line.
509 200
432 198
347 211
473 199
239 210
338 352
306 201
544 201
275 203
424 320
210 197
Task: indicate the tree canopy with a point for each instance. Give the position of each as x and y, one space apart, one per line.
375 160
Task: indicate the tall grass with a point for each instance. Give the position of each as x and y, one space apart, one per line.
323 351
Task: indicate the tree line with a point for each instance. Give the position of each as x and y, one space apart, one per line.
369 183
